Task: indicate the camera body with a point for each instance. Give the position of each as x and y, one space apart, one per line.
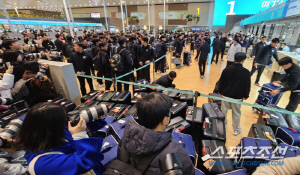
55 53
10 130
42 72
32 56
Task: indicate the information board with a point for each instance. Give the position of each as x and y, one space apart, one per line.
178 14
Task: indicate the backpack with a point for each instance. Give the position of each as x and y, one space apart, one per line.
130 47
157 46
69 50
116 61
121 167
89 52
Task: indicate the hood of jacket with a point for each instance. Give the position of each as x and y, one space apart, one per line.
141 141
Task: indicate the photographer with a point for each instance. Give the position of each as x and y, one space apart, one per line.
47 43
53 148
58 43
149 138
68 47
7 83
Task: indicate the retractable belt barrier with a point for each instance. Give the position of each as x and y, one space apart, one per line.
203 95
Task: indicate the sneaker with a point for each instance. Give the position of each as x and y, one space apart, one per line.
164 74
155 73
257 84
180 65
202 76
236 133
222 60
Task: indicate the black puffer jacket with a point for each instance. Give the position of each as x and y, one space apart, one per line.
139 142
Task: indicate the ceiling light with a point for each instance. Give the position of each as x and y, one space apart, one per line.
80 4
84 4
75 5
37 1
131 2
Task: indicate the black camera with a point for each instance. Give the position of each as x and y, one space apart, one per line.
88 115
17 38
33 45
32 56
5 101
55 53
42 71
10 130
171 165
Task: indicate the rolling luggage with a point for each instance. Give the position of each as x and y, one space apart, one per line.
100 128
209 147
15 110
214 128
177 124
137 88
261 131
212 110
171 94
277 76
176 60
117 126
186 58
289 135
292 120
109 150
276 119
119 111
106 97
90 95
178 109
291 151
132 112
218 102
187 142
188 98
138 95
265 98
123 97
198 172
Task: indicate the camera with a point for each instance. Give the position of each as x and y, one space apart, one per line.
88 115
10 130
17 38
32 56
171 165
55 53
42 71
33 45
5 101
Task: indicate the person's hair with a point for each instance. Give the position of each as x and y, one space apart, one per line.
263 37
101 37
80 44
132 38
217 36
162 36
172 74
69 38
57 35
283 44
32 66
122 40
285 61
239 57
102 44
7 43
114 38
145 39
41 49
152 109
10 56
236 39
95 40
275 40
43 128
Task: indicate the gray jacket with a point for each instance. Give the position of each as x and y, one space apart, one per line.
140 142
233 50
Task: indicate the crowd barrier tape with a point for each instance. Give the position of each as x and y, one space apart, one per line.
192 93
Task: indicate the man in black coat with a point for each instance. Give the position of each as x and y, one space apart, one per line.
235 83
166 80
255 52
149 137
204 51
160 65
179 44
58 43
145 56
293 82
223 40
83 65
264 58
133 48
217 46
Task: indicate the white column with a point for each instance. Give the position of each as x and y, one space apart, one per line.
71 12
126 14
68 18
105 15
122 15
149 14
6 15
164 15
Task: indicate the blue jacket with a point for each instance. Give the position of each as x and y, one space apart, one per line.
79 157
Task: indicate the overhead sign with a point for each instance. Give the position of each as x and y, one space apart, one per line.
95 15
178 14
140 15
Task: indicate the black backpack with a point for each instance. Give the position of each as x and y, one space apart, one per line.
121 167
116 61
69 50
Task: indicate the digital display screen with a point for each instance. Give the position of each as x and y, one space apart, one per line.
95 15
240 7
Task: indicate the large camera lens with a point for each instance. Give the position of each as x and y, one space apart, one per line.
171 165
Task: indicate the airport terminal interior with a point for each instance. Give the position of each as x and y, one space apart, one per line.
131 87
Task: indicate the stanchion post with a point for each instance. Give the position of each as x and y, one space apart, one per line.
114 83
153 70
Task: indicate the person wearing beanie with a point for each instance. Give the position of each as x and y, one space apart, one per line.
166 80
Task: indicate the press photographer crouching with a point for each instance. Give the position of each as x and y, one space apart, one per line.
149 141
53 148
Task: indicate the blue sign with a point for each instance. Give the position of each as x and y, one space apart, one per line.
240 7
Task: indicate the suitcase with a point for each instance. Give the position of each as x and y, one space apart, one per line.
138 95
171 94
277 76
292 120
99 128
290 136
291 151
132 112
177 124
123 97
259 131
218 102
209 147
15 110
176 60
265 98
186 58
212 110
108 104
119 111
117 126
214 128
178 109
188 98
154 89
276 120
90 95
137 88
187 142
109 150
106 97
